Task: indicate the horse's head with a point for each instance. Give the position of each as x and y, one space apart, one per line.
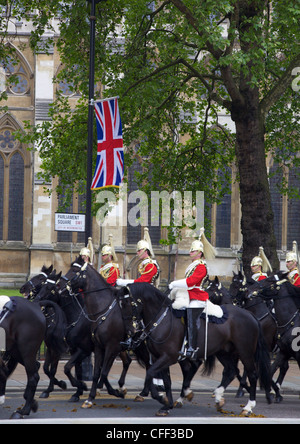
77 274
31 288
214 290
238 286
275 284
50 289
218 294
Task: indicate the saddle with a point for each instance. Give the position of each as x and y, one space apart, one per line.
214 316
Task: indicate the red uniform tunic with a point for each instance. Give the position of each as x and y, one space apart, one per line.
195 275
148 271
110 272
294 277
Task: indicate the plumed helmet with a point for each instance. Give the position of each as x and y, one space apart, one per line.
291 256
256 261
85 252
106 250
202 244
262 261
109 248
142 245
145 244
197 245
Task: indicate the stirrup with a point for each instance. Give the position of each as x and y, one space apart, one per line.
190 353
127 345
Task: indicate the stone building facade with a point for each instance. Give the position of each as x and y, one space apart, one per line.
27 235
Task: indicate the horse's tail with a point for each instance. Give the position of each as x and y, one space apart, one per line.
263 361
209 366
56 326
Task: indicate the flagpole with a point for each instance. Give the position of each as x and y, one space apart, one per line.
88 218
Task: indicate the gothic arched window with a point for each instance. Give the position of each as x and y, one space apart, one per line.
13 176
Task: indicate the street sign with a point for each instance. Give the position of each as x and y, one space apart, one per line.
70 222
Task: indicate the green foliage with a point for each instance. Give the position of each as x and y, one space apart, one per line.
174 64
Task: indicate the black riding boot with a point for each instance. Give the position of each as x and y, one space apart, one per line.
193 325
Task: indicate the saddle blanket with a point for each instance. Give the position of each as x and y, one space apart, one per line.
3 301
211 319
182 300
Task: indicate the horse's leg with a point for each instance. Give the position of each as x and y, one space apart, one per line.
126 359
243 384
76 359
96 376
143 357
168 401
229 373
7 368
281 362
189 369
161 365
32 368
109 356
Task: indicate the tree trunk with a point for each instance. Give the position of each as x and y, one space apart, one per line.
257 214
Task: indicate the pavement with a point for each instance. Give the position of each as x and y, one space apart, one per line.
134 383
136 375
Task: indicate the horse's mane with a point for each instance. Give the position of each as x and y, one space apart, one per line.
80 261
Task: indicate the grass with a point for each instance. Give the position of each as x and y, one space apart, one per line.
9 292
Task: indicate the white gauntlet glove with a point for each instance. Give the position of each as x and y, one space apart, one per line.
178 284
124 282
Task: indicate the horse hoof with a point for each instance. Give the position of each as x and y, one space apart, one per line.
17 415
74 398
44 395
246 413
162 413
139 398
120 394
123 391
278 399
240 394
178 404
189 397
87 405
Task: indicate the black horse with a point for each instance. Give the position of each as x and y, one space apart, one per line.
25 327
241 290
78 331
286 298
238 338
56 324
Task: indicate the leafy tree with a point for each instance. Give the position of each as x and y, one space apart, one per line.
175 64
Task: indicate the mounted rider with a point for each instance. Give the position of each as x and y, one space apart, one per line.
195 275
148 268
109 269
260 266
148 273
292 262
87 253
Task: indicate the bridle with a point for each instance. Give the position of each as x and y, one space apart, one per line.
137 307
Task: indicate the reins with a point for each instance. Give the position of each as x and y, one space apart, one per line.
154 323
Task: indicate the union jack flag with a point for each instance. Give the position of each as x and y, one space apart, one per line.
110 154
